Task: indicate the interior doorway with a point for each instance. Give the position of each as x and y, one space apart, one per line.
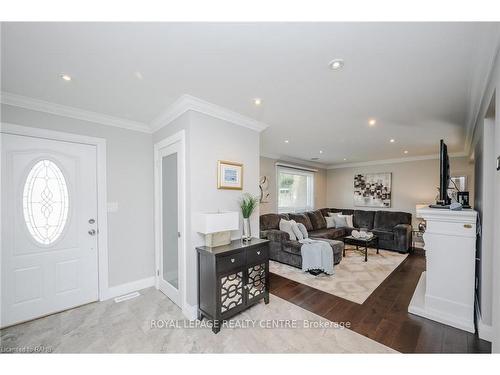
170 217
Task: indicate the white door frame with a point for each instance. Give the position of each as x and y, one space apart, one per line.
180 138
102 214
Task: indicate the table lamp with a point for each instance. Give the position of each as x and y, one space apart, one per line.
217 227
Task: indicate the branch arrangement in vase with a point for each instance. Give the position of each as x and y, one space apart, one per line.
248 203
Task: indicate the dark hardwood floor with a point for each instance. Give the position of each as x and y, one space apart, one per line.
384 316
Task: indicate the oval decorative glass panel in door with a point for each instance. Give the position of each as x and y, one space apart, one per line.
45 202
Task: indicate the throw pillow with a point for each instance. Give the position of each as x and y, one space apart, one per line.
348 219
303 229
297 231
286 226
340 221
330 222
302 218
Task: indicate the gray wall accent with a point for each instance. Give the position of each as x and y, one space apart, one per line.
209 139
130 184
268 168
484 158
413 182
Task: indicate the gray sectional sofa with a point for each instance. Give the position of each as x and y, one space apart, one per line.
393 229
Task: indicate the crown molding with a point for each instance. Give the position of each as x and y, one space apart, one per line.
395 161
289 159
71 112
190 103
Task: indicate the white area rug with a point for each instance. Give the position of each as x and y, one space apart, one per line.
354 279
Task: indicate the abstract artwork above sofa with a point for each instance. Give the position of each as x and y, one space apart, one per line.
372 190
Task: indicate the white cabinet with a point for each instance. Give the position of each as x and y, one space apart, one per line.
445 292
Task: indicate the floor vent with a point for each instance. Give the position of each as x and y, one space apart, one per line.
127 297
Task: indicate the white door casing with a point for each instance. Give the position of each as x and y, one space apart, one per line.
168 147
64 269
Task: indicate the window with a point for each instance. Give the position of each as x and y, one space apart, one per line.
295 190
45 202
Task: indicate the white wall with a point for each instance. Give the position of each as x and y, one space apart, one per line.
490 128
412 182
268 169
208 140
130 184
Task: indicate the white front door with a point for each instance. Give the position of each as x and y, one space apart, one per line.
169 193
49 254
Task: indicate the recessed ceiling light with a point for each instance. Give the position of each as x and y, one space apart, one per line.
345 159
336 64
286 141
320 151
257 101
392 140
372 122
405 151
65 77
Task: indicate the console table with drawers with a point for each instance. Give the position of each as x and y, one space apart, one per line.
231 278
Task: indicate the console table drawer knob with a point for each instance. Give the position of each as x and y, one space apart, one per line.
232 260
258 252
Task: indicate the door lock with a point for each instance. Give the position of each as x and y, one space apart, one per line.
91 221
92 232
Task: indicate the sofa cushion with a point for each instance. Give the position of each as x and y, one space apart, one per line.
274 235
317 219
325 211
321 233
343 211
302 218
330 233
292 247
364 219
389 219
271 221
383 235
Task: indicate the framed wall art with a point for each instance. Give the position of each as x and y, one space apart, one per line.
229 175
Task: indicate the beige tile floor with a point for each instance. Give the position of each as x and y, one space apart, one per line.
109 327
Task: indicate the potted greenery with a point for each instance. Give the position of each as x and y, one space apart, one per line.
248 203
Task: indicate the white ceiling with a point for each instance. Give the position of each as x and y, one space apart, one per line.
419 80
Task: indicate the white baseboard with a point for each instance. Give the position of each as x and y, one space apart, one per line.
133 286
484 331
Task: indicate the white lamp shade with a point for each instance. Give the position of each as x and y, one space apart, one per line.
216 222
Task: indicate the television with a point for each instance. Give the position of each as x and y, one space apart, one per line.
444 200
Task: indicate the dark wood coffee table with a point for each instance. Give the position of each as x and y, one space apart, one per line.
372 242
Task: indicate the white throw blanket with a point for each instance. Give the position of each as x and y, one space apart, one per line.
316 255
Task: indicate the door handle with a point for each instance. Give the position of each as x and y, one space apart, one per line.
92 232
